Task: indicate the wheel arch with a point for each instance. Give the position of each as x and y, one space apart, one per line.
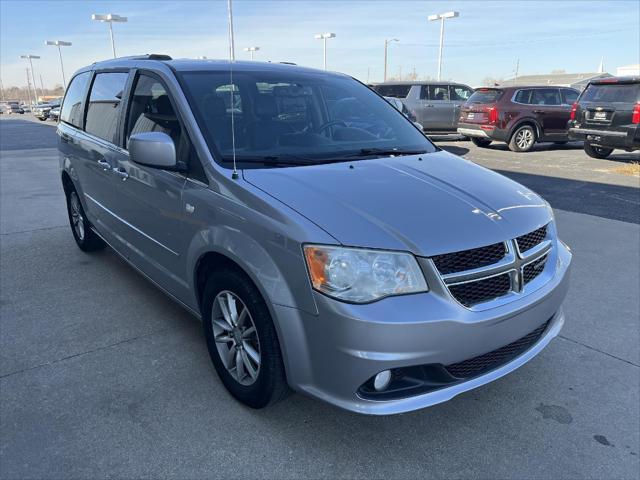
526 121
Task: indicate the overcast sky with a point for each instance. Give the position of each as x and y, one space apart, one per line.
485 41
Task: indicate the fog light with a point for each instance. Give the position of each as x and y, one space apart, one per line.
381 380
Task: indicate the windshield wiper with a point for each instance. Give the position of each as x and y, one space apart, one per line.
365 152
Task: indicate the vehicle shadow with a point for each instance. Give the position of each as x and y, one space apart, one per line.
26 135
456 150
614 202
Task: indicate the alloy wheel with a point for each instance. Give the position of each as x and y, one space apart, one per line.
524 138
77 218
236 337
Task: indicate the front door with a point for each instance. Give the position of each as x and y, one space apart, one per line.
151 205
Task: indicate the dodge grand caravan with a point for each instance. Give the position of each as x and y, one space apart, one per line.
325 243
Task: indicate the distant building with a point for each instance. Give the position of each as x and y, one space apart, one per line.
575 80
628 70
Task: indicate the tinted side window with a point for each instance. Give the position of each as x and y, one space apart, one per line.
523 96
438 92
105 103
396 91
569 96
73 106
545 96
460 94
151 110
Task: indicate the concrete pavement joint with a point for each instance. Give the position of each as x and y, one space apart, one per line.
104 347
33 230
597 350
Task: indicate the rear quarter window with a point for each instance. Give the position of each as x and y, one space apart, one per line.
73 105
396 91
485 95
613 93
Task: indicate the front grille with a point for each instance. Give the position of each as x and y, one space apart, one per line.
533 269
483 290
530 240
469 259
492 360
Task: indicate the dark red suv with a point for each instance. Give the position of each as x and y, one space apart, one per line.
519 116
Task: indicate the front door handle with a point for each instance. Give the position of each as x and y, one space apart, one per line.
121 172
429 105
541 112
105 165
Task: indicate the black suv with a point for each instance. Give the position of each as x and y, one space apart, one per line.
607 116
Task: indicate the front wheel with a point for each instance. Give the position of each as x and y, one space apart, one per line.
523 139
597 152
481 142
242 339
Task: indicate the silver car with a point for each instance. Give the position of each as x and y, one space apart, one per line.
436 104
324 242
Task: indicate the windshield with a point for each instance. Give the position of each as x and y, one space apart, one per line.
485 95
623 92
293 118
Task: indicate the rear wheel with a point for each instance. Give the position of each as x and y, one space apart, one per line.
481 142
597 152
242 339
85 238
523 139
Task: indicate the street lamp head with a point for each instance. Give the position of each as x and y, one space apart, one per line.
30 56
438 16
320 36
251 49
58 43
109 17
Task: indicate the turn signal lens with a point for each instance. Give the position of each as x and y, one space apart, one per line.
360 276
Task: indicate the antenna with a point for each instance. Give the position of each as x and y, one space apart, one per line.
232 57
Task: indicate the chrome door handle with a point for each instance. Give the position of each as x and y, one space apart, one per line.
105 165
121 172
429 105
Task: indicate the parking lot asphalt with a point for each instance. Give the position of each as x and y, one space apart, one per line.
101 375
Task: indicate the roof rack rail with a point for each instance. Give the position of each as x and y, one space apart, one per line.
288 63
146 56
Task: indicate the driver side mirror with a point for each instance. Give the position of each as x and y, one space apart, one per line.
154 149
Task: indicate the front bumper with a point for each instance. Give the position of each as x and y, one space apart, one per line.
331 355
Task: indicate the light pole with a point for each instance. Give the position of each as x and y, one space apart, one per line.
110 18
323 37
387 41
60 43
33 78
441 17
251 50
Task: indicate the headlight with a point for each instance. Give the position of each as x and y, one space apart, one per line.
361 276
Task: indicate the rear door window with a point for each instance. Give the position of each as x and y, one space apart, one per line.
545 96
105 105
396 91
438 92
622 93
485 95
73 106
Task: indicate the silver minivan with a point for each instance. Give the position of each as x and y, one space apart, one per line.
436 105
324 242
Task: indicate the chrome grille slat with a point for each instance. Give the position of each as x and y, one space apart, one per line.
495 271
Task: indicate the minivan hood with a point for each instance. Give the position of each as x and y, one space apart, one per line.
427 204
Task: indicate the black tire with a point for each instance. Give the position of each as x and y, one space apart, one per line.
481 142
270 385
85 237
523 139
597 152
41 119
